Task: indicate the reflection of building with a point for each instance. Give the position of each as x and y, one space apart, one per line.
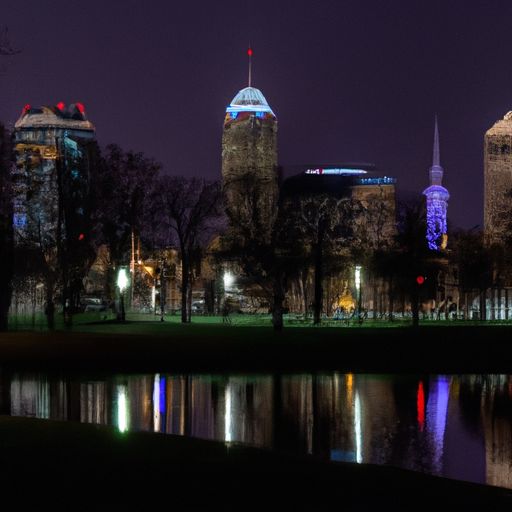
437 201
249 161
497 178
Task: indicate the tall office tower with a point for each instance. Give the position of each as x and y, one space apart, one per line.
498 179
437 201
51 176
249 164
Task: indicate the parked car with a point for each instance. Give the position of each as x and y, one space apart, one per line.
90 304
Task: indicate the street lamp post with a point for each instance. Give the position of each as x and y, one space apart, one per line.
358 289
122 283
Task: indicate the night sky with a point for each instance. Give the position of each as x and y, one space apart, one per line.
348 80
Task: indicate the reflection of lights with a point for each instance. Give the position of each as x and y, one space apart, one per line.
420 403
227 415
358 277
357 428
122 409
229 279
437 407
156 403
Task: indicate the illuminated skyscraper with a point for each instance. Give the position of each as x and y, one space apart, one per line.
437 201
249 162
497 178
51 175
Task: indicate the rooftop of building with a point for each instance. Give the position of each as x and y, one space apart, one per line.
333 179
249 99
71 117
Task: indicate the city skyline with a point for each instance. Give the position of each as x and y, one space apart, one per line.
347 82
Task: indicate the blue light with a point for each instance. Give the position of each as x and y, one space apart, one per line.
437 205
260 114
377 181
19 220
233 115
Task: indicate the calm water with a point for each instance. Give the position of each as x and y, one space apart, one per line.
454 426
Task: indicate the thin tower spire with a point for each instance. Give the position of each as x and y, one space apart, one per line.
436 160
249 53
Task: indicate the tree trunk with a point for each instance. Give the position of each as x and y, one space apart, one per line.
390 299
483 304
277 307
415 307
184 290
319 292
50 307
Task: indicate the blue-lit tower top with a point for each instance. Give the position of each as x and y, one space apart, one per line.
249 100
437 201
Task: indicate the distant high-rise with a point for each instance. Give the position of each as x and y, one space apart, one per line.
249 162
498 179
437 201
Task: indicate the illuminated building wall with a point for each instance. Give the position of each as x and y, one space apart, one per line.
497 178
437 201
49 149
249 161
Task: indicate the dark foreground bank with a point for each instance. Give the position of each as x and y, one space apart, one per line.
79 466
457 349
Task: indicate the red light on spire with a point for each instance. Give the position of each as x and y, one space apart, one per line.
80 107
249 51
60 105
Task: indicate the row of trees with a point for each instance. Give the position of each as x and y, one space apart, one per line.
114 195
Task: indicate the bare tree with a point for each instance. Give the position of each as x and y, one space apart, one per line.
189 208
6 232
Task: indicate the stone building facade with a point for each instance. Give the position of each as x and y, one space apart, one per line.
497 178
249 162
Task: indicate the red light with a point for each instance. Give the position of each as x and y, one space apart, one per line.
420 403
80 107
249 52
81 236
60 105
420 279
26 108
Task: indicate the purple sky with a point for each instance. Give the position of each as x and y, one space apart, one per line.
349 80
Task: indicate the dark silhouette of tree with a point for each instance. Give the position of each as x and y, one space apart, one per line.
411 257
188 209
122 189
6 230
265 248
324 225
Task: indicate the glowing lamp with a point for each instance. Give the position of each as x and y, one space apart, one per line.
358 277
26 108
60 105
81 236
80 107
229 280
420 280
249 52
122 280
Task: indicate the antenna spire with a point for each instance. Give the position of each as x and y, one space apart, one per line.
249 53
435 157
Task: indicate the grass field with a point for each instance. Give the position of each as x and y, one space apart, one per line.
142 323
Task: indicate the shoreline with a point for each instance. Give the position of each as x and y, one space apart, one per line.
203 349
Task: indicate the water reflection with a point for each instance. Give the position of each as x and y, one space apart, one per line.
455 426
